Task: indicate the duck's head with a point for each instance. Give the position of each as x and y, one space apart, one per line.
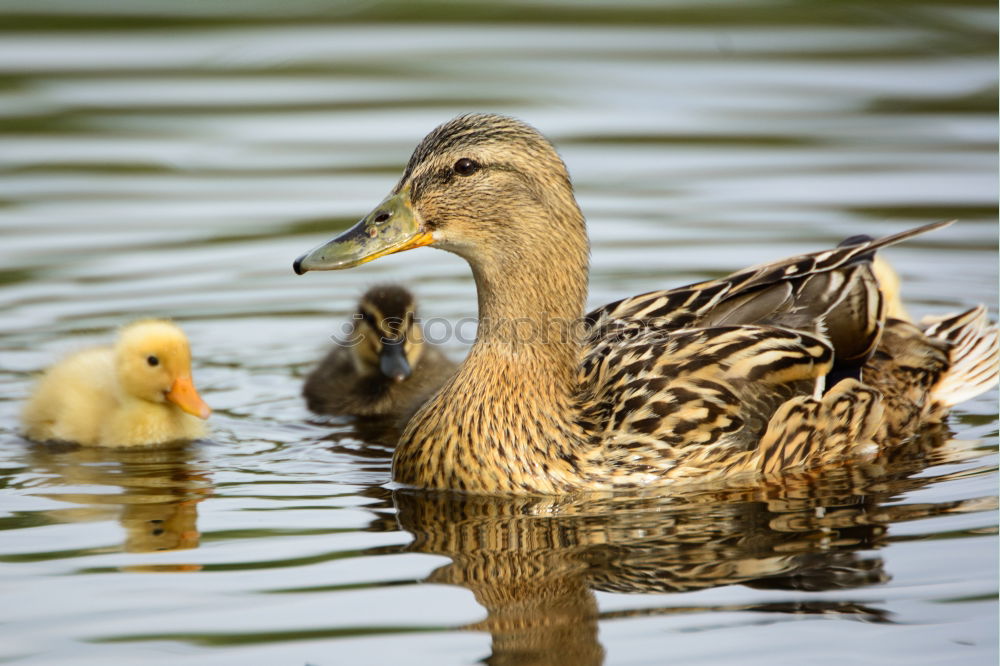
386 338
153 361
483 186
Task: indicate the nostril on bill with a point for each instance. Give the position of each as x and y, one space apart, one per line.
383 216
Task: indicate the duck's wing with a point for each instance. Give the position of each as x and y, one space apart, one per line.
709 402
729 375
833 294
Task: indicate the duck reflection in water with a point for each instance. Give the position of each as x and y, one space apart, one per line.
534 563
158 503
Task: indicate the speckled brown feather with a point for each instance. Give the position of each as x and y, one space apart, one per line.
922 371
692 403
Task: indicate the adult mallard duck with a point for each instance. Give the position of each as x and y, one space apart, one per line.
776 367
137 392
385 368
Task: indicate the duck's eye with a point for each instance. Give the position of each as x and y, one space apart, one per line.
153 361
466 167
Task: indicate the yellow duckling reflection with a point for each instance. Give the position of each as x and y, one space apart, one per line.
138 392
158 503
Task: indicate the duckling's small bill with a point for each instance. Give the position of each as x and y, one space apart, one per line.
392 361
183 394
392 227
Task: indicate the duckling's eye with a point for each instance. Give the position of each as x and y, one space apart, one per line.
153 361
466 167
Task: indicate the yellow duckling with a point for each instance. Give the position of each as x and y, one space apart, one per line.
386 368
138 392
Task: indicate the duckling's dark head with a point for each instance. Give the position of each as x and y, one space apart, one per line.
479 185
387 337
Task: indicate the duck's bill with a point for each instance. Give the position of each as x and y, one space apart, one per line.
392 227
184 395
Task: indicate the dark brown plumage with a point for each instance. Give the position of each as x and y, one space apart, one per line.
385 368
771 369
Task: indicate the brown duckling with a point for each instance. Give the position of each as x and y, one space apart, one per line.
385 368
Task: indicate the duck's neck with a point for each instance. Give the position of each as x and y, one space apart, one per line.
508 419
530 310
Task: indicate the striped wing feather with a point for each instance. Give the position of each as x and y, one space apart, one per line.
831 293
728 375
699 397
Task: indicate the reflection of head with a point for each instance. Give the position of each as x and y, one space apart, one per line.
155 527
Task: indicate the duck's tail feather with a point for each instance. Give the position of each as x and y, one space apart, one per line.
973 355
866 245
807 431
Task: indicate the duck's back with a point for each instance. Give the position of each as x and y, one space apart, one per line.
833 295
73 399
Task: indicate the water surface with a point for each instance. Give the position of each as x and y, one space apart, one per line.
172 160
